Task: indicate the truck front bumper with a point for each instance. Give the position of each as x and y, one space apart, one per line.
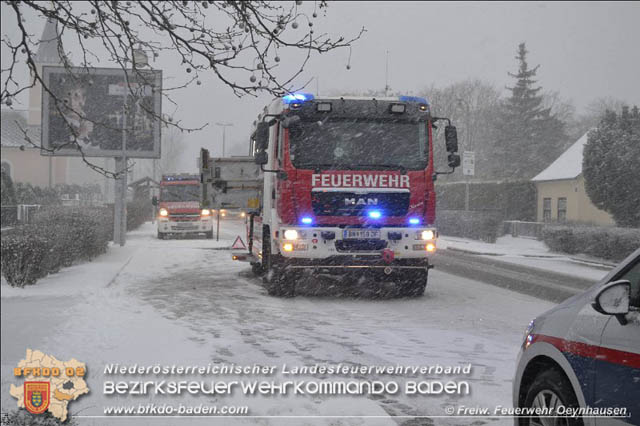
331 247
346 263
167 226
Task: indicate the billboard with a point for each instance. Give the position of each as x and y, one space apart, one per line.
101 112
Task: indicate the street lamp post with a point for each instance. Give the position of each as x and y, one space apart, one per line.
224 134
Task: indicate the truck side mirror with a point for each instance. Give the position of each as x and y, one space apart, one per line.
453 160
154 200
262 136
451 138
261 158
289 120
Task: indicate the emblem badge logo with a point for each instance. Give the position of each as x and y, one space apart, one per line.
37 396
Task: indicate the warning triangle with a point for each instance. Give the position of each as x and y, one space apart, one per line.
238 244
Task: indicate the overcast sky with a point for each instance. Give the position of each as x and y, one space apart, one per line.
585 51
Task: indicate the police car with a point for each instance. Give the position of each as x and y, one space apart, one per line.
583 356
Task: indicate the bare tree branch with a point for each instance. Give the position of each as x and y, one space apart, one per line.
230 39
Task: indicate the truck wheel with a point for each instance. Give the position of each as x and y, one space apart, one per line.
161 235
275 279
256 268
413 283
209 235
279 283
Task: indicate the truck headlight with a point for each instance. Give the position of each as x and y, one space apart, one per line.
427 235
163 212
290 234
205 212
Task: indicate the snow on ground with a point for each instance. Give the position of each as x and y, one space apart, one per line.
185 302
529 252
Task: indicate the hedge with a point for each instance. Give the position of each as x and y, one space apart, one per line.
20 417
603 242
477 225
138 212
58 237
516 200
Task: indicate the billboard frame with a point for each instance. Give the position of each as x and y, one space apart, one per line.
48 150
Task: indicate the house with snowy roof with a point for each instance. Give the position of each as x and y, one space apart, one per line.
21 129
561 195
21 159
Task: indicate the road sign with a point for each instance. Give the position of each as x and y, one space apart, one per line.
468 163
238 244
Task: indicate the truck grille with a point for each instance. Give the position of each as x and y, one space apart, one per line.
358 204
360 245
184 217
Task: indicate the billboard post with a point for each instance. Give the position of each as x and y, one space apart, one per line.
120 225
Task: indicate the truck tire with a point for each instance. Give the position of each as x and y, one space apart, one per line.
275 278
413 283
256 268
209 235
161 235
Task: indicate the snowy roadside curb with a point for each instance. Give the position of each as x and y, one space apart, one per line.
529 253
592 262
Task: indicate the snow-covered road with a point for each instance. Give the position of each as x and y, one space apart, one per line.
185 302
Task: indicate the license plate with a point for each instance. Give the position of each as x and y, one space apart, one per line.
361 234
185 226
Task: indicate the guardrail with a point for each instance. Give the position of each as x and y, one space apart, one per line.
18 214
518 228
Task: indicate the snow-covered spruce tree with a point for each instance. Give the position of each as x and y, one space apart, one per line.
529 136
611 166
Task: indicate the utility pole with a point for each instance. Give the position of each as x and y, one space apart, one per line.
224 134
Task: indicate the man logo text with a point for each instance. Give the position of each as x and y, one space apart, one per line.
360 201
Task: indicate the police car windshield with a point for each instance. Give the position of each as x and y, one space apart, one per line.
340 143
179 193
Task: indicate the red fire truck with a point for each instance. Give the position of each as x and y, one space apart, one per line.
179 209
348 186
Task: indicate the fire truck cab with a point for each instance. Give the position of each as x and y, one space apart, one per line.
348 187
179 209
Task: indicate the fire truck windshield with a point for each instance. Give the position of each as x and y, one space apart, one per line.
176 192
340 143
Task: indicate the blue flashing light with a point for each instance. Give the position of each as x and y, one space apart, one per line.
307 220
414 221
295 98
416 99
375 214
